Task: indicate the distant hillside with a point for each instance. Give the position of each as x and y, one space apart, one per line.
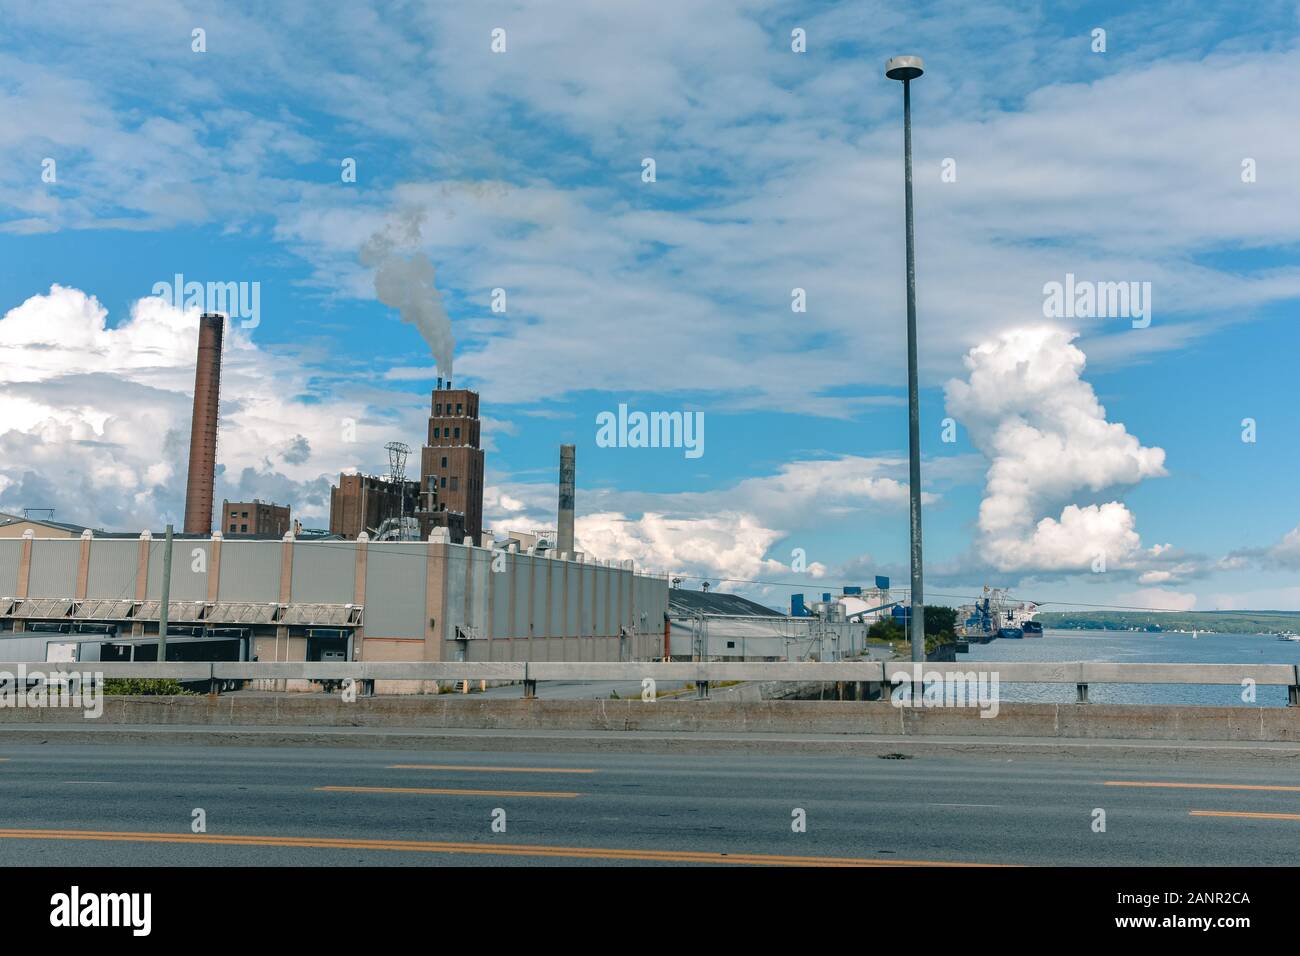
1221 622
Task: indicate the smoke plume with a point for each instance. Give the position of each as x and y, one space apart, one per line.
404 281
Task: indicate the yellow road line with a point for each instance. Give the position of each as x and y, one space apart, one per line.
452 766
456 793
1200 786
481 849
1243 815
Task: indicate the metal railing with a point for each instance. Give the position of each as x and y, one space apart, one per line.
702 674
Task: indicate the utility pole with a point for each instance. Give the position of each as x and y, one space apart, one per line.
906 69
166 597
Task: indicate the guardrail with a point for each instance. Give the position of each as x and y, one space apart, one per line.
702 673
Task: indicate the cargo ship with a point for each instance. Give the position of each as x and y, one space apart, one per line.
996 615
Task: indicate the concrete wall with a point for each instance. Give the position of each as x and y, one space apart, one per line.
861 719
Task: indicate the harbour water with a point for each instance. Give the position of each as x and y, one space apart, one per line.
1147 648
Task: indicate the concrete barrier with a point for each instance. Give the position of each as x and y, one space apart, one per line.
1057 672
856 718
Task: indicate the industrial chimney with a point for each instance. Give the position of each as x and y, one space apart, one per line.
203 430
564 528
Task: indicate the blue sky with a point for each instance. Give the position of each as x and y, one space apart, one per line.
775 170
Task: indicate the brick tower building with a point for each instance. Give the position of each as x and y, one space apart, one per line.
452 461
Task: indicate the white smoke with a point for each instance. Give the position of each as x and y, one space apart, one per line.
1028 410
404 281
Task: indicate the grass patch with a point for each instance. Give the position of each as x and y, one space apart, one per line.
145 687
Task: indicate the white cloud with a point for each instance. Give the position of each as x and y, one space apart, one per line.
94 418
722 534
1284 554
773 174
1028 410
1159 599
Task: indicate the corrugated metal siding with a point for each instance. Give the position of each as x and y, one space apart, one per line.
325 572
590 599
521 583
502 582
481 565
541 625
250 571
395 589
112 570
572 576
11 554
551 622
54 568
452 612
190 563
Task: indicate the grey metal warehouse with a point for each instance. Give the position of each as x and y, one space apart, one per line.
296 600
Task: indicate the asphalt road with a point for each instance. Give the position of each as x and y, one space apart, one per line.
105 805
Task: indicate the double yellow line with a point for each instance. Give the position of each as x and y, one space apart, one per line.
477 849
1237 814
452 766
547 794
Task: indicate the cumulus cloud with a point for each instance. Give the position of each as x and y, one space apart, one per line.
1047 439
727 534
109 448
1285 554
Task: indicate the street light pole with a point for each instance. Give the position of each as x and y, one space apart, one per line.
906 69
165 604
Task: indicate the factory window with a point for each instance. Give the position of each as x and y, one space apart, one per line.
453 483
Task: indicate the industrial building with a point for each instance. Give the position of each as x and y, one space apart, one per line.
451 462
708 625
15 526
361 504
98 599
254 519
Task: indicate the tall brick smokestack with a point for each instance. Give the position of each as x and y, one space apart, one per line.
568 474
203 430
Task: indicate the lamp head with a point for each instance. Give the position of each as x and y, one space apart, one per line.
904 67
